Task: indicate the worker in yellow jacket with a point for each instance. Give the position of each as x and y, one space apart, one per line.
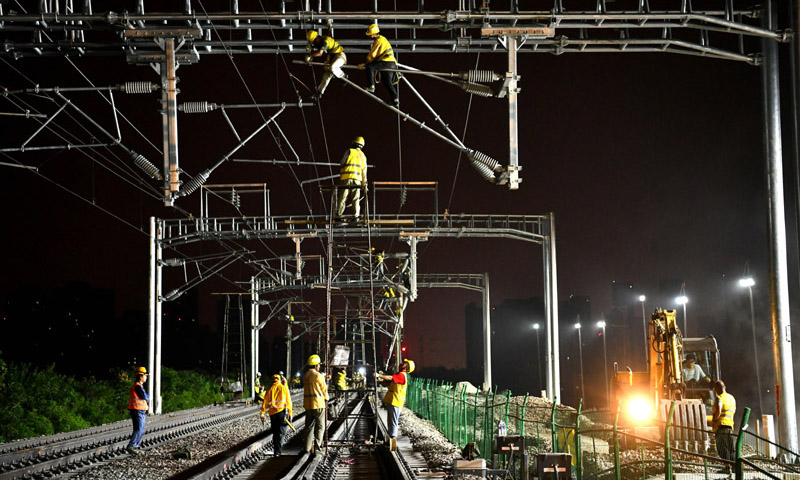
395 397
380 58
278 405
319 45
352 178
722 421
315 402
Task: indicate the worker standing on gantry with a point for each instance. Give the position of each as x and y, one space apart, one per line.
352 178
323 44
395 397
380 58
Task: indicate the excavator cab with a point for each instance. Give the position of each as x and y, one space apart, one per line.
701 368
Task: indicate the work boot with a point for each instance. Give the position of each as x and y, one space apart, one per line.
370 89
132 450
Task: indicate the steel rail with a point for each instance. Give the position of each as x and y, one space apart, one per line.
78 453
37 442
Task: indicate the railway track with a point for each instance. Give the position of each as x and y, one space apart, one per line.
352 450
352 453
58 455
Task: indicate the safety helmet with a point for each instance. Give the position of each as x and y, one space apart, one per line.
313 360
411 365
141 371
258 374
276 378
373 29
311 35
359 141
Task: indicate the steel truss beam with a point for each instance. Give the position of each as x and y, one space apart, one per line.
553 31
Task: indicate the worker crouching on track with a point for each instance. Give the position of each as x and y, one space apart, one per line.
395 398
323 44
315 401
379 59
352 178
137 406
278 404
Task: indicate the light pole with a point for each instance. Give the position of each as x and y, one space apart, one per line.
602 325
580 354
683 300
538 354
642 298
749 282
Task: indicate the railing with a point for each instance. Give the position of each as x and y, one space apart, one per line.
603 444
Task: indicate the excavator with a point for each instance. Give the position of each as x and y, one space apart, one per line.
645 398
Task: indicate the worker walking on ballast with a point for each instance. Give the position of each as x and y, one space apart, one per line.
352 178
323 44
395 398
278 404
315 402
380 58
137 406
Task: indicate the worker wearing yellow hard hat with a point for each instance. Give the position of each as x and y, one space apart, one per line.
379 59
352 178
315 401
137 406
395 397
278 404
319 45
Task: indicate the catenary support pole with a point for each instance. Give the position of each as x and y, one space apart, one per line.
154 310
254 354
487 335
512 45
551 306
151 311
169 121
778 269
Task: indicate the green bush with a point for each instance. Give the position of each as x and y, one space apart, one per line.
43 402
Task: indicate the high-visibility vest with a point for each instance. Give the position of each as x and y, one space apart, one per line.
396 394
331 46
315 391
354 166
277 399
135 402
727 408
341 381
381 51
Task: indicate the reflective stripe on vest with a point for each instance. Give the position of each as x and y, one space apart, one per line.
134 401
396 394
727 409
354 166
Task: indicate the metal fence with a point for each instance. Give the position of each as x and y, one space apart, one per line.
601 446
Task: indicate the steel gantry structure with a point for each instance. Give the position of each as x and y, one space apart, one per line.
167 40
277 280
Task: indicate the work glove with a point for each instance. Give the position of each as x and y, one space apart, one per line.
289 417
308 58
362 66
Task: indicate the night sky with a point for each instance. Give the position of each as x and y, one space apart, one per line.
653 166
